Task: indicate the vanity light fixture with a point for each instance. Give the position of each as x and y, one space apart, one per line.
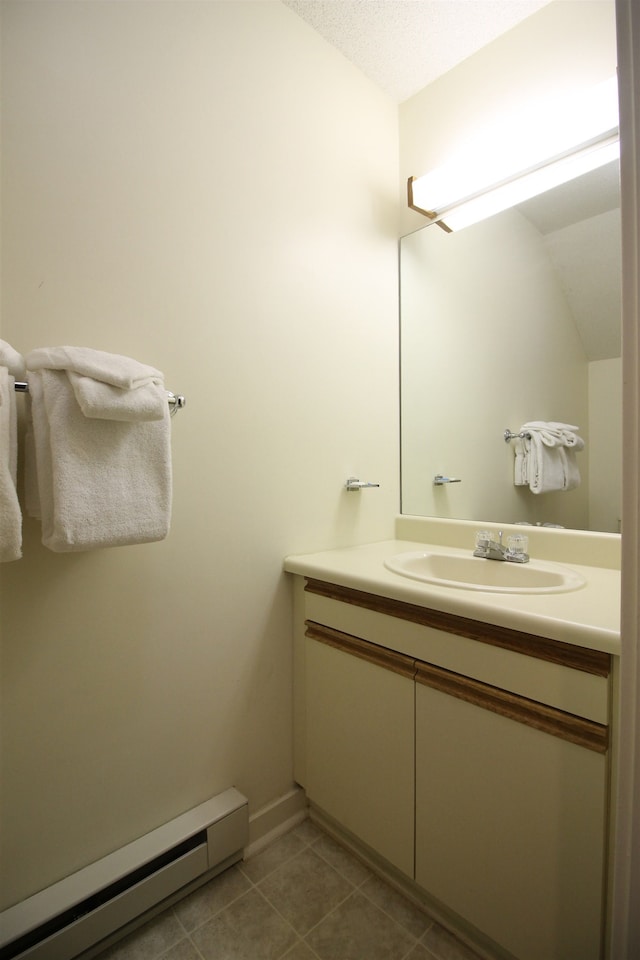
463 193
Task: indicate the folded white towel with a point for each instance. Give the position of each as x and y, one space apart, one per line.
552 463
11 368
107 386
119 371
103 401
556 434
101 483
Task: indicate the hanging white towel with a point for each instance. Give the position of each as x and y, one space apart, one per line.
552 448
11 368
521 464
546 467
570 467
101 482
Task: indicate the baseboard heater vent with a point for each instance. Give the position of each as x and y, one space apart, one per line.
91 909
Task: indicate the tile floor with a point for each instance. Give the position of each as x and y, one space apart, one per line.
303 897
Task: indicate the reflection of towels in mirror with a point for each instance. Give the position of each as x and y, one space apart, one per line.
555 434
11 367
551 460
521 465
546 469
571 471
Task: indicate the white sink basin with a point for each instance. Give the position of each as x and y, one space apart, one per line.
467 572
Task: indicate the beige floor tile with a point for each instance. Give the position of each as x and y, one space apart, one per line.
305 889
358 930
419 953
273 856
248 929
341 860
300 952
308 831
183 950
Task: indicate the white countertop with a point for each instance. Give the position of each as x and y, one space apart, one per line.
587 617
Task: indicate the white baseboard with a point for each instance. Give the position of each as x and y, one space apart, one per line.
274 819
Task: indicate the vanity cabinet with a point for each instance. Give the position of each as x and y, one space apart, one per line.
472 758
510 825
360 740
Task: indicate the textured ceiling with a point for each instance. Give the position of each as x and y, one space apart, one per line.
402 45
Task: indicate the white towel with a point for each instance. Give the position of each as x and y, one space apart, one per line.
107 386
555 434
546 466
11 368
119 371
521 464
12 360
570 467
103 401
552 449
101 483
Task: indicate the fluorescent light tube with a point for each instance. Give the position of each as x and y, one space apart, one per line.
464 193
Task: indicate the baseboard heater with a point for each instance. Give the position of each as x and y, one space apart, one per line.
94 907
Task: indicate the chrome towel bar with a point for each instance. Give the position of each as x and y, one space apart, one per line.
175 400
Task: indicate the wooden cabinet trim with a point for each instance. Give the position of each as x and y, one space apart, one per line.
566 726
380 656
555 651
557 723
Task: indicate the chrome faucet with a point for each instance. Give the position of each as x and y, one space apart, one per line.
490 549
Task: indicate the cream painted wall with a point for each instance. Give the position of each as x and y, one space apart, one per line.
470 369
212 189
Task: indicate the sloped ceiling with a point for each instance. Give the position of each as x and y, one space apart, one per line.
402 45
580 225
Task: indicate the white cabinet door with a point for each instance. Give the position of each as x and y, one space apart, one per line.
510 826
360 741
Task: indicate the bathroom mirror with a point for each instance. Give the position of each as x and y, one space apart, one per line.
516 318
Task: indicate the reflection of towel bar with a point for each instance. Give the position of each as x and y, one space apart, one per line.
508 435
175 401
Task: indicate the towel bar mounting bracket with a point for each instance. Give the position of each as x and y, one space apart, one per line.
508 435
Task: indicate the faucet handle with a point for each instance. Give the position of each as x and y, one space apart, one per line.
483 543
517 545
